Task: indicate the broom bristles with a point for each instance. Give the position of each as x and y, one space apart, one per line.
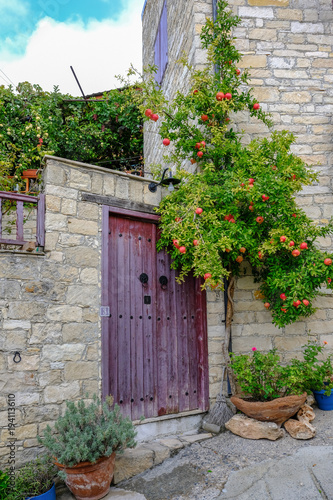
220 413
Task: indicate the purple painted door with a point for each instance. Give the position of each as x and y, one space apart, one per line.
155 360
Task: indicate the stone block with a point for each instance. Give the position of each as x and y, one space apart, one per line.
262 34
68 206
54 173
88 210
83 295
296 97
61 191
91 315
136 191
289 14
21 432
79 180
96 183
26 310
79 332
267 3
89 276
92 353
297 27
51 240
318 327
196 438
256 12
82 256
259 61
299 430
51 377
244 317
131 463
161 453
43 333
57 393
82 226
249 428
64 313
245 344
109 184
52 203
172 443
63 352
79 370
287 73
13 324
13 340
55 222
26 398
293 343
71 240
27 363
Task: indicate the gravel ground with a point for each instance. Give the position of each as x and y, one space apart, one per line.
200 471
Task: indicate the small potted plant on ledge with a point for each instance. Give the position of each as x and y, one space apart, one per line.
35 480
84 444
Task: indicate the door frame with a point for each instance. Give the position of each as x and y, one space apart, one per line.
105 344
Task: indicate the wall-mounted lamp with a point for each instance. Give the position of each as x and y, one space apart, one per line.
169 181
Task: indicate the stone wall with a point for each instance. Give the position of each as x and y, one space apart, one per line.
185 20
287 44
49 304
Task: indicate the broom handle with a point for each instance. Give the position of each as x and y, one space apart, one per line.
225 344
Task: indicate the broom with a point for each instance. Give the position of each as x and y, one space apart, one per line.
221 412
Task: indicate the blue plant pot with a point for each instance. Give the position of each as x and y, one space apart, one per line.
324 402
49 495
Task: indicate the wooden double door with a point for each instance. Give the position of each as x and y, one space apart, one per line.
155 339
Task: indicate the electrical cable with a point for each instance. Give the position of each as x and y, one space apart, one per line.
7 77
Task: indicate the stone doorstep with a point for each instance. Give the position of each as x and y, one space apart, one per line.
137 460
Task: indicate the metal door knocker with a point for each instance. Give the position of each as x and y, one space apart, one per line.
17 357
144 279
163 281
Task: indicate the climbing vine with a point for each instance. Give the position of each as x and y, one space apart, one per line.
239 202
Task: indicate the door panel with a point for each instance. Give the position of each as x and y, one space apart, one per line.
157 339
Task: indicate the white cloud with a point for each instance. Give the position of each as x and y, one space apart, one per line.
97 51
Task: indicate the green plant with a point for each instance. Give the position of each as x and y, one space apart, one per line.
263 377
34 478
87 433
106 132
317 374
246 192
4 485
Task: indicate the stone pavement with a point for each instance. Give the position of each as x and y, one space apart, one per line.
230 467
307 475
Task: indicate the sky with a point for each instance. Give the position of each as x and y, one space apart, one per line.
41 39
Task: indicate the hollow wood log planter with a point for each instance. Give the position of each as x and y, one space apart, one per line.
279 410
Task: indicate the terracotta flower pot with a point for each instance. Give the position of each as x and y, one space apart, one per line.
279 410
89 481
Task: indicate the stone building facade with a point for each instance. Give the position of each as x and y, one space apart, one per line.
50 301
287 44
50 307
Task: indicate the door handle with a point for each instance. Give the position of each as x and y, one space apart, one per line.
163 281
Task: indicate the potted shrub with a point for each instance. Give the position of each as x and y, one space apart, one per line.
84 444
270 392
35 480
317 374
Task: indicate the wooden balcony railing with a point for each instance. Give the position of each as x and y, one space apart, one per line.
40 219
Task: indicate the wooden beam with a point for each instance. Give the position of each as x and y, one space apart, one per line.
112 201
